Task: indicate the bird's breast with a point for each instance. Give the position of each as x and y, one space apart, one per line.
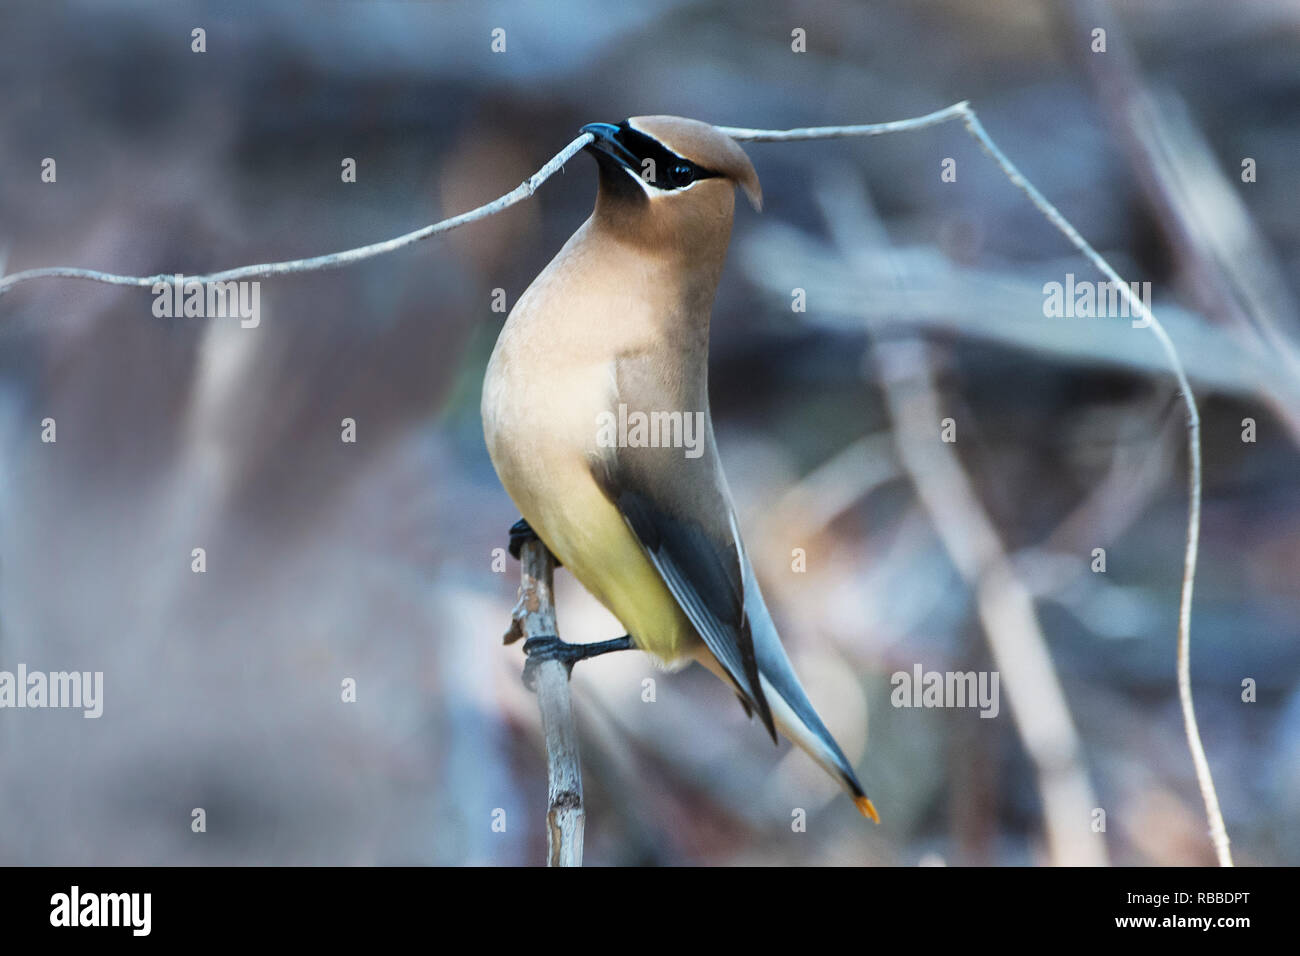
550 382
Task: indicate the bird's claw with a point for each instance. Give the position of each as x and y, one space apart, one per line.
520 534
548 648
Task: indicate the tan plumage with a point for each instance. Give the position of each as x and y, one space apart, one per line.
621 316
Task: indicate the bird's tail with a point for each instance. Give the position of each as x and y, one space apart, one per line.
791 708
805 729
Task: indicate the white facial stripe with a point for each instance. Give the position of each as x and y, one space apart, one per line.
654 192
649 190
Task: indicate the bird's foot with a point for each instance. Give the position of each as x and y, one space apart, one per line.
520 534
550 648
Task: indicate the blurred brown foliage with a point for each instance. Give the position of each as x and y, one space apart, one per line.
374 561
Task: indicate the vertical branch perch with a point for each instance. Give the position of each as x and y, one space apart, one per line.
534 616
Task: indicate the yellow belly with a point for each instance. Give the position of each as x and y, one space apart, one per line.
586 532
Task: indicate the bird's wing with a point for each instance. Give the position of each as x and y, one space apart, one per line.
685 522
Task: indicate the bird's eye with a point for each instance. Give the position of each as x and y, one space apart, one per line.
681 174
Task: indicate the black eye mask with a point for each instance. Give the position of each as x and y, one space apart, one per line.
622 146
670 170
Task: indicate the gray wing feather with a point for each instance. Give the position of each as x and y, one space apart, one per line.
703 573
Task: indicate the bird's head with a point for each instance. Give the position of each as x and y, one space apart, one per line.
670 179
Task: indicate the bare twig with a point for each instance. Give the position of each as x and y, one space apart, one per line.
334 259
526 189
1205 778
534 616
1004 603
956 111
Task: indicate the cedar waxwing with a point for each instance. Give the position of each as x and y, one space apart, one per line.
616 327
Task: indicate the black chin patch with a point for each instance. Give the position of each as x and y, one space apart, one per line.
616 180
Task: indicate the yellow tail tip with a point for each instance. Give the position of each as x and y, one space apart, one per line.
867 808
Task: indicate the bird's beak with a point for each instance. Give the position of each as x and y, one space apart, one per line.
608 143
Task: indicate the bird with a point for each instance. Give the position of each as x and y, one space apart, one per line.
618 324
